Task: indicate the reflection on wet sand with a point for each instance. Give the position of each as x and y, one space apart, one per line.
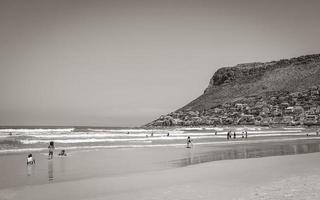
29 170
250 151
50 170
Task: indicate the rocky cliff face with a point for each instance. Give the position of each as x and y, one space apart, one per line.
232 85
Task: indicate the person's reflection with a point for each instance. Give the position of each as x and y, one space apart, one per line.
29 170
190 158
295 149
245 152
50 170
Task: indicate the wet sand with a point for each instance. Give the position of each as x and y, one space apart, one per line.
168 173
280 177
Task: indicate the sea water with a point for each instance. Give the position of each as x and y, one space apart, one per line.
15 140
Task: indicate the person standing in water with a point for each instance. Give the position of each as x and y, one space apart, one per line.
246 134
51 149
234 135
188 142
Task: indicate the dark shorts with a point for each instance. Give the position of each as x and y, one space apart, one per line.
50 152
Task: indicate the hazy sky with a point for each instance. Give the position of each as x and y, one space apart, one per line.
124 63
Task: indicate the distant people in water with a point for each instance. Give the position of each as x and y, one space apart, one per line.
216 133
51 149
228 135
168 134
151 134
242 135
189 142
62 153
246 134
30 160
234 135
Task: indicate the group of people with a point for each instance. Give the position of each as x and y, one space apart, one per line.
244 135
51 148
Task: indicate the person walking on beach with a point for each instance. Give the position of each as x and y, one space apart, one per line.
228 135
234 135
246 134
51 149
189 142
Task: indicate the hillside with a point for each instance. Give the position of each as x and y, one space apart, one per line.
270 89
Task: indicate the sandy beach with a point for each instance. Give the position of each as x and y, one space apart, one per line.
280 177
202 172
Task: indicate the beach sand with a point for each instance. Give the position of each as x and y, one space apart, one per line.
146 174
279 177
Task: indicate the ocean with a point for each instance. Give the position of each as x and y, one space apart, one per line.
15 140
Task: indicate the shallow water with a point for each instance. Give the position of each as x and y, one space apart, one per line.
244 151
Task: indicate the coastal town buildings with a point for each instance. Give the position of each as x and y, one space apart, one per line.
277 108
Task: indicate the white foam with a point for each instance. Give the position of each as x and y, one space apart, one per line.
93 140
190 128
117 135
123 130
183 136
3 151
36 130
294 128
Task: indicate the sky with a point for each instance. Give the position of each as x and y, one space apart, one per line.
126 62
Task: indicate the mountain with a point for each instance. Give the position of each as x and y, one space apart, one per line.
256 93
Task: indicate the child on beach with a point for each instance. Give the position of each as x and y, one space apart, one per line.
62 153
51 149
30 160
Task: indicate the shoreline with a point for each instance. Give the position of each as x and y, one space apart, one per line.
82 164
227 179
